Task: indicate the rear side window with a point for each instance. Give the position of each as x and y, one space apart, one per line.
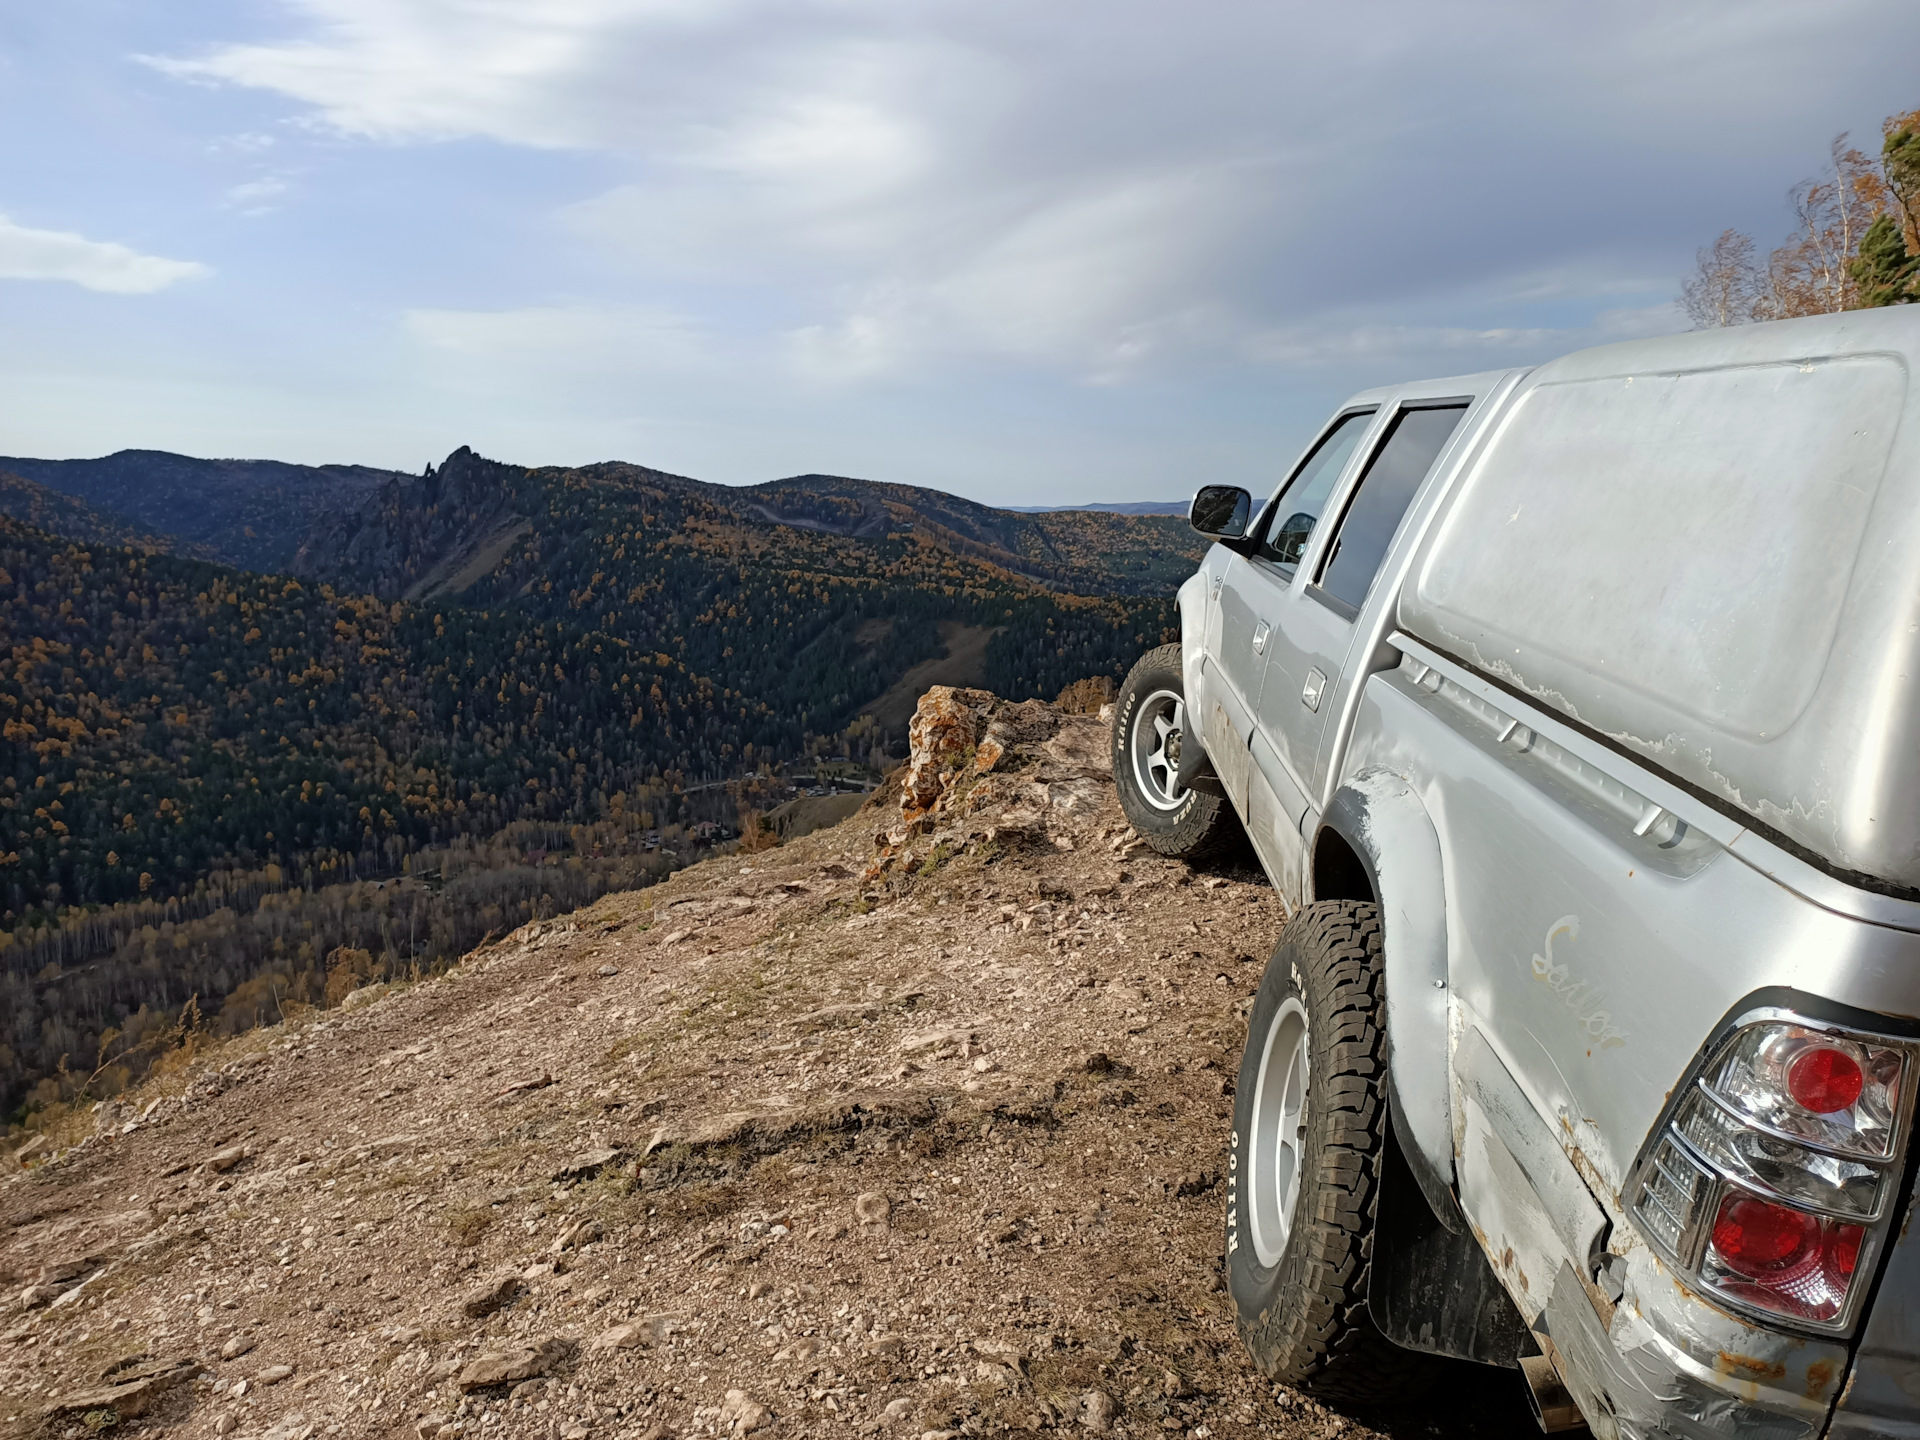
1381 498
1296 510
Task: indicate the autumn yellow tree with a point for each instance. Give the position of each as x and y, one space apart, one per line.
1726 287
1808 274
1854 243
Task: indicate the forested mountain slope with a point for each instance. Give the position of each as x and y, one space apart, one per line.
512 683
62 514
249 513
439 532
1077 550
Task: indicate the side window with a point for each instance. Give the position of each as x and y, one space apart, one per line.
1296 510
1381 498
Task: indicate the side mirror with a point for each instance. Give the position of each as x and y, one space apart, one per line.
1221 512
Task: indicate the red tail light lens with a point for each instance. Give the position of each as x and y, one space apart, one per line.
1759 1240
1839 1093
1780 1259
1843 1252
1824 1080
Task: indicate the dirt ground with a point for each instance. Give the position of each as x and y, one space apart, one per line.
911 1127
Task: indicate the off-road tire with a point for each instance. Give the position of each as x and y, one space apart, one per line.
1305 1319
1202 827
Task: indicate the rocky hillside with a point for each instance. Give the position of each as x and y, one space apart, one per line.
416 536
911 1127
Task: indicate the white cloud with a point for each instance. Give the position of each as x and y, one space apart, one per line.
1331 341
1100 188
401 70
27 254
257 197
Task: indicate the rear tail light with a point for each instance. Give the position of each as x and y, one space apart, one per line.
1773 1183
1781 1259
1757 1238
1832 1090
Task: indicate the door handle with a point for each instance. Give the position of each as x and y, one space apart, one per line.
1260 633
1315 687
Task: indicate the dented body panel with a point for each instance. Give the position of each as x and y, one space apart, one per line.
1624 736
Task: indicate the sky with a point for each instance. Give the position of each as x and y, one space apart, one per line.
1026 252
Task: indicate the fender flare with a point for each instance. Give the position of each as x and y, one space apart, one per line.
1381 818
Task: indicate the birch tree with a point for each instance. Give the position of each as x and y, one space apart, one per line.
1726 287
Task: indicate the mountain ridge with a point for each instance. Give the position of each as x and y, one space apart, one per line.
403 535
251 514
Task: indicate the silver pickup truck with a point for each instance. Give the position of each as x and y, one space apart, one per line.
1575 713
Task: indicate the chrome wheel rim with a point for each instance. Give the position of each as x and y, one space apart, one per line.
1279 1133
1159 726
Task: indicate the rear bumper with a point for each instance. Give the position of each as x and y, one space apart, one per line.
1633 1384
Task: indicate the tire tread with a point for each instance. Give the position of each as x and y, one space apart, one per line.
1319 1335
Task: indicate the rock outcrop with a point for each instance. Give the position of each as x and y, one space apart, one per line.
420 535
983 772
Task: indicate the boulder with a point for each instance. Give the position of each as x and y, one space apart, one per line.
946 725
511 1364
625 1337
133 1389
1096 1411
580 1233
742 1414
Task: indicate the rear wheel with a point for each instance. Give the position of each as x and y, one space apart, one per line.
1309 1129
1150 730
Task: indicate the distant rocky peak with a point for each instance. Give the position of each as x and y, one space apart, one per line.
433 533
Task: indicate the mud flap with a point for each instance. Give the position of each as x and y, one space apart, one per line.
1195 770
1431 1287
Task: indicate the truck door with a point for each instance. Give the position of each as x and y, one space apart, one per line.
1313 626
1252 595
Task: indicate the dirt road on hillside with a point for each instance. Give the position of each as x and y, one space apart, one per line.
903 1134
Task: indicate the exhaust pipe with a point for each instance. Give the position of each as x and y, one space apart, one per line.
1552 1405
